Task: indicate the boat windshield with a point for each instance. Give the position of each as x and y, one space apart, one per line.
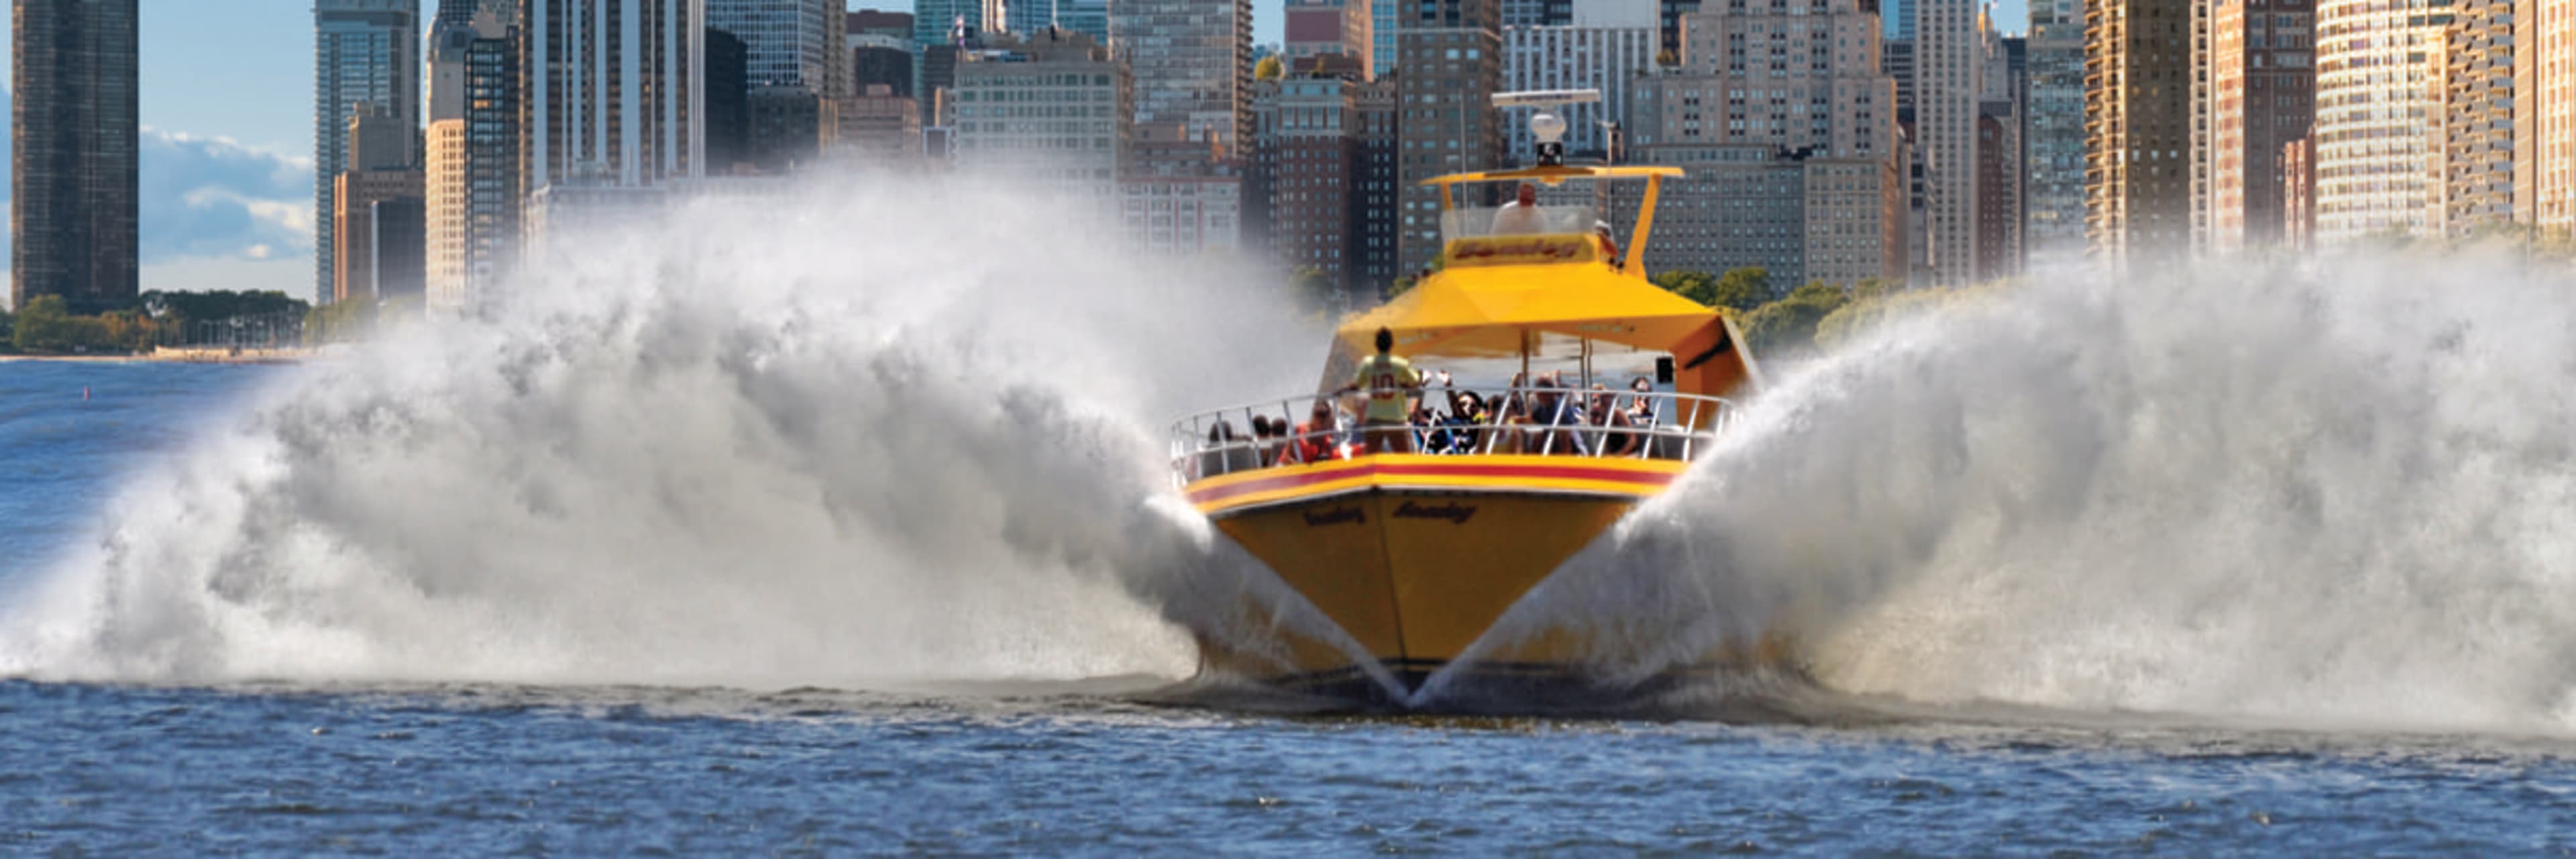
1480 221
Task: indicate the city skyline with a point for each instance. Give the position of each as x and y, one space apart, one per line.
227 186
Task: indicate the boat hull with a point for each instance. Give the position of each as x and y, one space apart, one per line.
1414 558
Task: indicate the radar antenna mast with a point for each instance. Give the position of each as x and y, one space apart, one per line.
1545 125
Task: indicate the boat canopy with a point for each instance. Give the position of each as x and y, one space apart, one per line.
1489 311
1552 174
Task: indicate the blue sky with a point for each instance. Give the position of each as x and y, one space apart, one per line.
227 172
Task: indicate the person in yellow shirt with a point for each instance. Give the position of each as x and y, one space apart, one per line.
1390 382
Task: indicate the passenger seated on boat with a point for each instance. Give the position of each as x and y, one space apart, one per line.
1466 421
1511 431
1641 408
1609 245
1313 441
1520 217
1225 453
1556 418
1390 382
1265 441
1618 437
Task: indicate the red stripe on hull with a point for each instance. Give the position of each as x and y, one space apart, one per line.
1558 472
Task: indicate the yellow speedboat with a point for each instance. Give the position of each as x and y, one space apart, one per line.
1413 557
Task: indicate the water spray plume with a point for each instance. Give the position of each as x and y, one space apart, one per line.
843 439
852 439
2334 493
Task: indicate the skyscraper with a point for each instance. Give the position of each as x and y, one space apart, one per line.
790 42
2544 133
471 170
1339 27
364 52
2053 138
1192 62
73 135
2372 140
2137 173
1604 46
383 166
1449 63
795 70
1307 166
2472 116
1052 109
610 93
2260 87
1949 82
1785 121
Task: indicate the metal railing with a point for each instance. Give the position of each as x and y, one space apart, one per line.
1531 420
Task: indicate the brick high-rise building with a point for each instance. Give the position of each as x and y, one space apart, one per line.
364 52
1321 180
1449 62
1339 27
2138 97
2544 133
2259 98
2372 138
1192 63
1379 233
73 133
2472 62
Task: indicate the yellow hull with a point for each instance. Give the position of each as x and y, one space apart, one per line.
1415 557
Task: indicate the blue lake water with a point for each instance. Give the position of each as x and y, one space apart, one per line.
1091 767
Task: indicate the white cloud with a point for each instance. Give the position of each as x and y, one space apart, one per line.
215 198
196 274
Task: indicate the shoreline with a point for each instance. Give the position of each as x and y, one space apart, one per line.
182 356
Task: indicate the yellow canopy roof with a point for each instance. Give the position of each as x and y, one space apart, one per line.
1486 311
1552 174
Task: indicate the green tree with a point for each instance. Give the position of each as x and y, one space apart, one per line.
1784 326
1693 285
1314 289
1789 324
1743 289
44 325
1267 69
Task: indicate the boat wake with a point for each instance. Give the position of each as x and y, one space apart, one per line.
2332 495
809 444
768 444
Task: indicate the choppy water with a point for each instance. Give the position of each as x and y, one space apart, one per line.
1091 768
2239 562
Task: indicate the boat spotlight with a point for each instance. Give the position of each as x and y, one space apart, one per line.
1545 125
1550 131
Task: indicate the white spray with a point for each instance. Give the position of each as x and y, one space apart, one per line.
843 439
2341 494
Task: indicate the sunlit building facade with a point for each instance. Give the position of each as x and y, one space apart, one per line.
364 52
2261 71
2545 116
2373 126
